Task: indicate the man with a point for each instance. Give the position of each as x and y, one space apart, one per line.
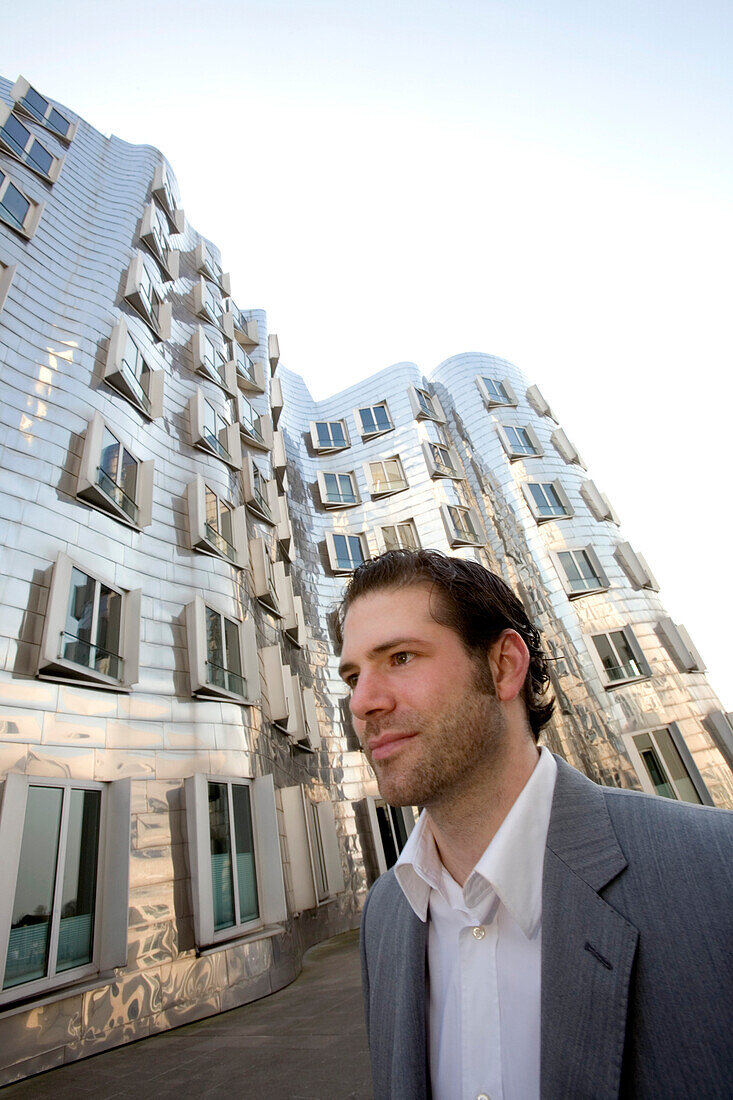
539 936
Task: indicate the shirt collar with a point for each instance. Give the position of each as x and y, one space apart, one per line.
511 866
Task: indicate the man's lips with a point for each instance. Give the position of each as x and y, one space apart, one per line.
388 743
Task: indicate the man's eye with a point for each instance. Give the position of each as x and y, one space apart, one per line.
351 681
402 658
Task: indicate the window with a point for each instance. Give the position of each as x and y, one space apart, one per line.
147 300
719 726
441 461
538 402
390 827
18 140
565 448
276 400
236 326
91 630
234 850
679 645
581 571
635 567
255 428
495 391
223 661
291 606
337 490
6 277
519 442
210 362
329 435
216 526
29 101
461 525
166 200
128 371
250 375
374 420
547 500
315 869
112 479
598 503
386 476
620 657
260 494
65 848
16 209
425 406
665 765
207 301
154 234
345 552
206 264
212 432
263 579
283 528
401 536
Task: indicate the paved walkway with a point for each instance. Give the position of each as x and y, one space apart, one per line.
306 1042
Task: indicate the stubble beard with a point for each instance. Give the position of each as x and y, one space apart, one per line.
450 750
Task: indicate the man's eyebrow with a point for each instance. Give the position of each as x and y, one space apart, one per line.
348 666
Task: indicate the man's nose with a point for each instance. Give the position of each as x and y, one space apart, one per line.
371 696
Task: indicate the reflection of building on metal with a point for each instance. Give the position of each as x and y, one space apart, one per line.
185 808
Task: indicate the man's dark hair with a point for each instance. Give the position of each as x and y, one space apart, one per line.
472 601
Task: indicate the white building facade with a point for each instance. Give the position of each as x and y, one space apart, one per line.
185 808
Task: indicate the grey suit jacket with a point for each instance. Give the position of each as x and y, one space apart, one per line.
637 955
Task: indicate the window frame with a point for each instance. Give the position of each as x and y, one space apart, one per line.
196 633
489 399
685 759
679 645
338 569
560 493
436 470
310 829
410 522
565 448
53 666
634 567
267 859
109 945
162 192
258 435
90 488
32 217
259 492
205 264
226 444
595 564
321 476
511 448
7 274
458 537
598 503
7 146
122 378
409 819
538 403
367 434
262 568
152 308
18 93
237 327
636 652
168 259
419 410
391 487
200 538
334 448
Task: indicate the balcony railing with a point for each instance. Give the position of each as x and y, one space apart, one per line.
226 678
382 486
260 501
88 655
135 385
215 369
629 670
212 441
117 494
222 545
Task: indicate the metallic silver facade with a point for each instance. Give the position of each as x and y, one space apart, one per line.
66 295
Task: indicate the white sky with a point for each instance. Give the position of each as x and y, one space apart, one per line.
408 180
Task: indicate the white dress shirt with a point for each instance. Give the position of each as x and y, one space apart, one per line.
484 951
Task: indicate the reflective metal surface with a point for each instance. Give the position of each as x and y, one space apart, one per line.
64 301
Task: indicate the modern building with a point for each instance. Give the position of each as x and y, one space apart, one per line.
185 808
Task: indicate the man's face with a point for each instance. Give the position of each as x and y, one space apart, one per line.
426 724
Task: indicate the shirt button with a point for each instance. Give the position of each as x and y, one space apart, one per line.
483 1096
478 934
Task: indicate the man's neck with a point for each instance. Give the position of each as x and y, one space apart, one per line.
465 823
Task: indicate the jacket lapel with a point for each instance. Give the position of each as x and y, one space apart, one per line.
588 948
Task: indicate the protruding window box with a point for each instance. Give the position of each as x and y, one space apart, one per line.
7 273
462 525
547 500
153 235
283 527
279 458
635 567
538 403
211 363
598 503
346 551
276 400
679 645
205 264
91 633
210 431
580 571
618 657
277 688
216 527
112 479
223 662
163 195
338 490
720 727
264 586
312 723
17 140
373 420
17 210
273 351
441 461
33 105
239 328
142 295
425 405
128 372
385 477
291 606
207 303
250 375
256 428
495 391
519 442
260 494
565 448
329 436
400 536
315 860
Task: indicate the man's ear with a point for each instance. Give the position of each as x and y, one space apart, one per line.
509 661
